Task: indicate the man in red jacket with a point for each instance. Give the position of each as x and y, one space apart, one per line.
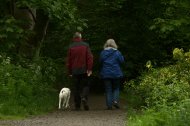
79 63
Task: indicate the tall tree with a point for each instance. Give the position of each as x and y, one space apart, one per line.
33 17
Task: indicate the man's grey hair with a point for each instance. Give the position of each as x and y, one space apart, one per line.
110 43
77 35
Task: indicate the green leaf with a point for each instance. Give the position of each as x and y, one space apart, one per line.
3 36
9 29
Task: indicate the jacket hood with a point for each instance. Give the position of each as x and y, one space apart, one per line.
109 50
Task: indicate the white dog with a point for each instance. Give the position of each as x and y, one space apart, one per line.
64 97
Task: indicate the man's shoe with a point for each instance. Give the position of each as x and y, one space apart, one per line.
85 105
109 108
77 109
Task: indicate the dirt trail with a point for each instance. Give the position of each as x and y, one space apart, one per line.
96 116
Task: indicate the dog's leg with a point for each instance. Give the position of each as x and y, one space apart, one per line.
59 102
67 100
64 102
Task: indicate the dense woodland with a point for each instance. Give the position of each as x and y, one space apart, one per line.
145 30
34 36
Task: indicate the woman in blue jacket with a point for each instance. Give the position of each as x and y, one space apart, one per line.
111 73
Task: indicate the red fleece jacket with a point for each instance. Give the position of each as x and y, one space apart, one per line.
79 58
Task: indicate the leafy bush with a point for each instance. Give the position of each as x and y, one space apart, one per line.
165 86
168 85
165 92
26 90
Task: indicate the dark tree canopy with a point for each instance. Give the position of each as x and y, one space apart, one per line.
144 30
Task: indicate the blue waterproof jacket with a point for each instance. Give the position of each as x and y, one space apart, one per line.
110 60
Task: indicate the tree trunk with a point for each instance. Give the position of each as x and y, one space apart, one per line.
40 29
25 14
38 23
38 48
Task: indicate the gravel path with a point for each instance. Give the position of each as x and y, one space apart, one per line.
96 116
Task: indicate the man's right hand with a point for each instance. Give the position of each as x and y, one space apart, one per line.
89 72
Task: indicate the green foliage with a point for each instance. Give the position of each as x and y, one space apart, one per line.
178 54
60 11
168 116
16 40
166 86
164 94
24 91
144 30
149 64
139 27
11 34
172 26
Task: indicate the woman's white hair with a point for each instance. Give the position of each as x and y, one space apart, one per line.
110 43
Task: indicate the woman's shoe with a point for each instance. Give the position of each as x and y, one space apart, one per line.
115 104
109 108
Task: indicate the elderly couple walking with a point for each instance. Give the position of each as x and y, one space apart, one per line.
79 64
